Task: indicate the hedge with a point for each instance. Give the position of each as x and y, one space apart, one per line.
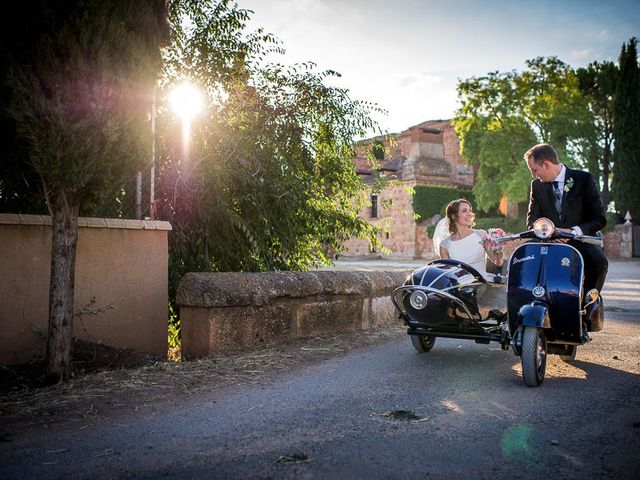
428 201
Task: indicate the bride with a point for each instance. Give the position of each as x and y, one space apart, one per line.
455 238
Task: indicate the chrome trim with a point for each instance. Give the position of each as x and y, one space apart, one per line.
475 284
446 295
423 274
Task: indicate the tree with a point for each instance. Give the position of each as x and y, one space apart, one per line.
80 97
626 133
598 84
503 114
269 182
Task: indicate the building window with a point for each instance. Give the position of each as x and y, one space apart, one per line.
374 206
378 150
388 235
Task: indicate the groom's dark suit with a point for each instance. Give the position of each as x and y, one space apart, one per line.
581 207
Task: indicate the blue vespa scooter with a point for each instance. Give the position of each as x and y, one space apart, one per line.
547 310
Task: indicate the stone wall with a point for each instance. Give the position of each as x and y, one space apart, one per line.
424 244
618 243
222 312
121 275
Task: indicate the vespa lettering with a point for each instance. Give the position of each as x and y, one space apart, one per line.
523 259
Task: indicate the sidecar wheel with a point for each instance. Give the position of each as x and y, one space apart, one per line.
423 343
534 356
571 354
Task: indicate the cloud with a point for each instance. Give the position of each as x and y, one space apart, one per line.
423 80
580 55
407 81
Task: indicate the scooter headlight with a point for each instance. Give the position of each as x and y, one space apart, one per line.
418 299
543 228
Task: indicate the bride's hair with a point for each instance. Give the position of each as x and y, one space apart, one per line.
452 212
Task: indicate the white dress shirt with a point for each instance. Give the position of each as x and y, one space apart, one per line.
561 181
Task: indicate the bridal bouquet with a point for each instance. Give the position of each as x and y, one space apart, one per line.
489 240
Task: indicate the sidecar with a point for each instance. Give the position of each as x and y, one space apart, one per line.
448 298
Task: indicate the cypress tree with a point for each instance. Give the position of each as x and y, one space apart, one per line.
626 133
77 95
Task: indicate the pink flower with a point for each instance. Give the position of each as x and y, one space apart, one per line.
488 240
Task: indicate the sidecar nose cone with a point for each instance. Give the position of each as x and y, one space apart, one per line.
418 299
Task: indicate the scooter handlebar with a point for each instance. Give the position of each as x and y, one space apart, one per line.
508 238
588 239
529 234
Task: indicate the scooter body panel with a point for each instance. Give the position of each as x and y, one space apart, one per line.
546 276
535 314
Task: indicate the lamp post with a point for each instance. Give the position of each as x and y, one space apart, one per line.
152 173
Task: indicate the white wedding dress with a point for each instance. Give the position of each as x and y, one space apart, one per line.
468 250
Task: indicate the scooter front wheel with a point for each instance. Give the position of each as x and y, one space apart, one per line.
423 343
534 356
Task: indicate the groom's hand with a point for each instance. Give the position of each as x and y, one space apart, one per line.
562 240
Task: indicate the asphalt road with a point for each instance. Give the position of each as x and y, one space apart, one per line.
460 411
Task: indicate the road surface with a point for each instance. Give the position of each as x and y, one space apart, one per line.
381 412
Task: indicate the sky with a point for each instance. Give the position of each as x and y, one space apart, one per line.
408 55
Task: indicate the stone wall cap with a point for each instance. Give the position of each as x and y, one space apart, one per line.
161 225
86 222
115 223
232 289
96 222
31 219
133 224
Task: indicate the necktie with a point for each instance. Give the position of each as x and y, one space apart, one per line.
558 195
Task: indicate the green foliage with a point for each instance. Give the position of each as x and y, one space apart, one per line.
503 114
80 97
429 201
174 337
598 83
613 219
268 182
626 133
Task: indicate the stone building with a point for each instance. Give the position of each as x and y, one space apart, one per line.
426 154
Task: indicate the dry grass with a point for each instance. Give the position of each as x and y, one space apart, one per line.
102 393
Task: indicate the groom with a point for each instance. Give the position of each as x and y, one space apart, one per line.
571 200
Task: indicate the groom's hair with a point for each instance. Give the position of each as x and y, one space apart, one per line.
540 153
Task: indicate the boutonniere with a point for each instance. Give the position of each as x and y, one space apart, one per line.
568 185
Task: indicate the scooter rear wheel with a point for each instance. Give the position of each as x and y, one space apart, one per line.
534 356
423 343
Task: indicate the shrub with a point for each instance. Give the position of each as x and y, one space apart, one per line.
428 201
